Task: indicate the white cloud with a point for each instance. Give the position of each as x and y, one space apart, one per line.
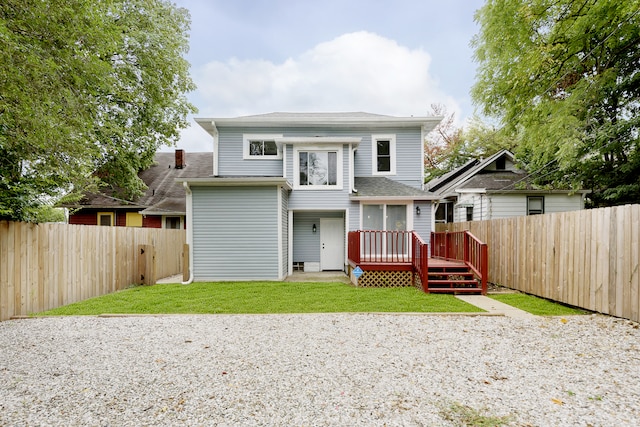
354 72
358 71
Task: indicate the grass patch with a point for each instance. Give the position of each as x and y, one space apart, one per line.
537 306
464 415
263 297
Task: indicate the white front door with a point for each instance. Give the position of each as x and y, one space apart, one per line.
331 244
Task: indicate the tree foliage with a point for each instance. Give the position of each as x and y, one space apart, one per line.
448 146
563 79
86 86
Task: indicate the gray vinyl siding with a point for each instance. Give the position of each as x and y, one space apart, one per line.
231 162
284 211
506 206
422 222
235 233
320 199
354 217
562 203
408 156
306 243
408 152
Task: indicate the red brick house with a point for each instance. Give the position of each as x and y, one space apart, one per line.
162 206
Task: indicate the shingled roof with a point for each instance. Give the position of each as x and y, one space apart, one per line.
164 196
384 188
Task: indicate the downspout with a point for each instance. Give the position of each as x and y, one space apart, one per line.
189 231
352 172
216 154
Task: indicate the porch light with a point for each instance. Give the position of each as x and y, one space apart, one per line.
417 210
314 228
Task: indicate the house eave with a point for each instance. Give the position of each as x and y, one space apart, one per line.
312 140
356 198
147 212
538 191
236 182
211 124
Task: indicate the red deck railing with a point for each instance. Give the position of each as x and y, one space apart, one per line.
405 250
389 250
462 246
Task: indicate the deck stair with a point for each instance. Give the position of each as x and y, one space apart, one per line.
450 276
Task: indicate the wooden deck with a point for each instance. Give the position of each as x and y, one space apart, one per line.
454 262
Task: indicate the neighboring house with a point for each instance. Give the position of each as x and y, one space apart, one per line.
162 206
288 187
495 188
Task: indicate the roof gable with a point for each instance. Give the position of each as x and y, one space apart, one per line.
447 183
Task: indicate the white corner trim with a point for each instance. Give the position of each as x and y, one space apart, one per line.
189 203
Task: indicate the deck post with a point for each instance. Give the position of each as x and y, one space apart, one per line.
484 269
465 247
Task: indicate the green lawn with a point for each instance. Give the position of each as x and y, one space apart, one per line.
535 305
263 297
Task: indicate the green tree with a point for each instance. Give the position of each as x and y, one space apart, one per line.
563 79
89 90
448 146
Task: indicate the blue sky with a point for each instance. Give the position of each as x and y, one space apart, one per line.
386 57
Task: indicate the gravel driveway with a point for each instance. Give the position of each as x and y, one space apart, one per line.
318 369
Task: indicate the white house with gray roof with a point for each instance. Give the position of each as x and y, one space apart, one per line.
286 189
495 188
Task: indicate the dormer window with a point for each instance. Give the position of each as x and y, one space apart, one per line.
383 149
261 147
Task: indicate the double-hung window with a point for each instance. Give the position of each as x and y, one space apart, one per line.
383 149
261 147
318 168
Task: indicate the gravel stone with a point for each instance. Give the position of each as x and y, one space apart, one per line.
318 370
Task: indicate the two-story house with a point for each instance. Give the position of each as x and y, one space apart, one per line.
287 188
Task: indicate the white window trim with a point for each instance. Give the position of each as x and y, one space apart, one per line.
247 137
324 148
164 221
409 205
374 154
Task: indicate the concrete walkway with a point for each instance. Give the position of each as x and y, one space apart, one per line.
495 307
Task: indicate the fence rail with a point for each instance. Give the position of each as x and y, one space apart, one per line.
588 258
44 266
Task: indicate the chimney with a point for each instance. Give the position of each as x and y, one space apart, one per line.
180 159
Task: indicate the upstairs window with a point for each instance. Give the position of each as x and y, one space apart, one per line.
383 149
261 147
318 168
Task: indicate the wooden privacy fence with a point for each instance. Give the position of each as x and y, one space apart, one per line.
44 266
588 258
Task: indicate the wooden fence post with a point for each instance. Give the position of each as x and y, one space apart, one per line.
185 262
